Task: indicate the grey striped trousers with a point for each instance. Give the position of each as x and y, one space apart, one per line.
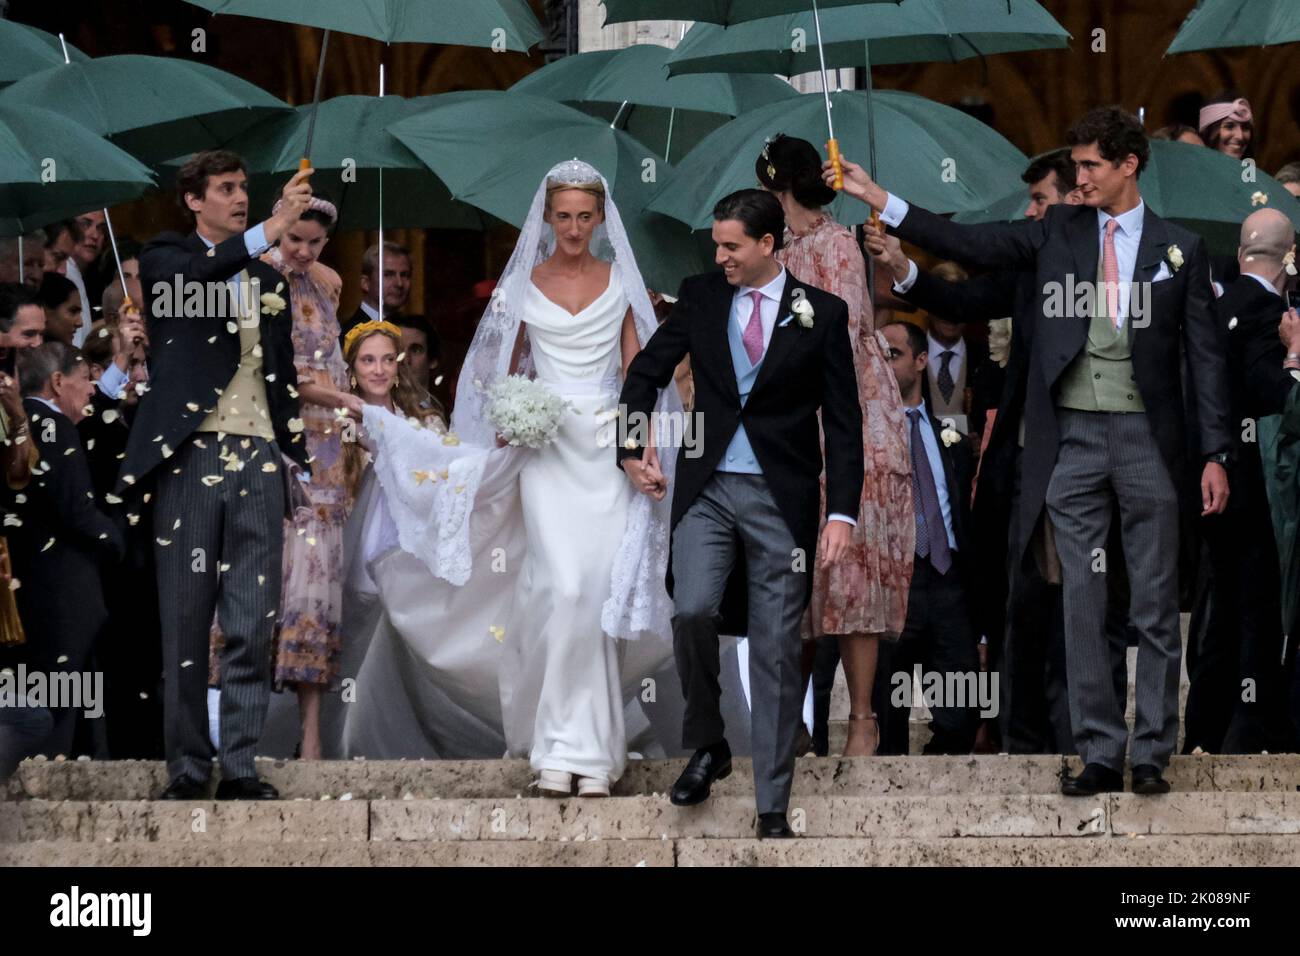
237 524
1110 460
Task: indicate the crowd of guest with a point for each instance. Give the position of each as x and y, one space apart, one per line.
176 497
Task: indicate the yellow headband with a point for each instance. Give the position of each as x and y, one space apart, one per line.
365 328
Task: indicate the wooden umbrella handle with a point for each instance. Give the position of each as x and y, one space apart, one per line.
304 163
833 150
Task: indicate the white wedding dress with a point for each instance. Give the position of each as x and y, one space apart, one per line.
523 605
560 686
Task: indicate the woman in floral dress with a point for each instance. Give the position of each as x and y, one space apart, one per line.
864 597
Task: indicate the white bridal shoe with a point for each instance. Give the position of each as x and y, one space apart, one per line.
593 787
555 783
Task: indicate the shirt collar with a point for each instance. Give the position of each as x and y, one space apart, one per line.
373 313
921 408
773 290
937 348
1262 281
1129 222
46 402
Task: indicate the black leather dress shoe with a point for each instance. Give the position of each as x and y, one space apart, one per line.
1147 780
246 788
1093 780
183 788
705 766
773 826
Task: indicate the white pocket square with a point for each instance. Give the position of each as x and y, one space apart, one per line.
786 321
1162 273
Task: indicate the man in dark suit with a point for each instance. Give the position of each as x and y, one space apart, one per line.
939 633
62 536
396 286
1017 598
1121 294
767 352
1237 699
211 438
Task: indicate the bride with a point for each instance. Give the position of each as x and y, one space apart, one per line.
545 563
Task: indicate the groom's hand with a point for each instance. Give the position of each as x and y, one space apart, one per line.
835 542
646 476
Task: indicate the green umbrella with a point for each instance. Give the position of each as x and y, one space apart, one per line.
25 50
915 31
637 75
725 12
153 107
52 168
927 153
496 24
492 149
351 147
1215 24
509 24
1198 187
634 82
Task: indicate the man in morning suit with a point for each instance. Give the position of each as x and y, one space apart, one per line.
210 440
1121 294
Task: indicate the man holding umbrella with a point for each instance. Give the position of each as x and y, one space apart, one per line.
210 441
1104 418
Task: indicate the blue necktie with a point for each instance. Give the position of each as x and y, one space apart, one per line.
931 536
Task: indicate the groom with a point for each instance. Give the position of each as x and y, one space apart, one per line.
767 352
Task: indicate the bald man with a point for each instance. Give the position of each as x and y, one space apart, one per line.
1237 699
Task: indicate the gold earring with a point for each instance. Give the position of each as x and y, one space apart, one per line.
352 380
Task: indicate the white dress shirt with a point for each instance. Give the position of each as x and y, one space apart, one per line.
936 350
256 244
1264 282
742 308
936 469
87 317
371 313
1128 235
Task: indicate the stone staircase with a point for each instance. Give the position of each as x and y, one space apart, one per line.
897 811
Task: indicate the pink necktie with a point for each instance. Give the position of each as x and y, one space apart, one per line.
753 337
1110 271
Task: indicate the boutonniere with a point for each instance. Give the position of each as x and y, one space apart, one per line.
802 309
949 434
1258 198
1175 257
273 304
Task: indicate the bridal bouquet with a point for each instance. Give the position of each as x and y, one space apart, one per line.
525 412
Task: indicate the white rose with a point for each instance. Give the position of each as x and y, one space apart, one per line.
272 304
950 437
1175 256
804 311
1258 198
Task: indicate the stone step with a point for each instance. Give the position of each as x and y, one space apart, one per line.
1200 850
919 733
467 779
646 818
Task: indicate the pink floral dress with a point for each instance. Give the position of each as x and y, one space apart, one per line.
866 593
311 606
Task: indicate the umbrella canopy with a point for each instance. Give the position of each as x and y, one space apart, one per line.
52 168
927 153
725 12
914 31
637 75
1198 187
492 149
484 23
153 107
1215 24
25 50
352 146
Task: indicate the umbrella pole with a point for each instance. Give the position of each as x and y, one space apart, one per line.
64 43
832 144
871 167
618 116
672 115
305 162
380 307
21 278
117 258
